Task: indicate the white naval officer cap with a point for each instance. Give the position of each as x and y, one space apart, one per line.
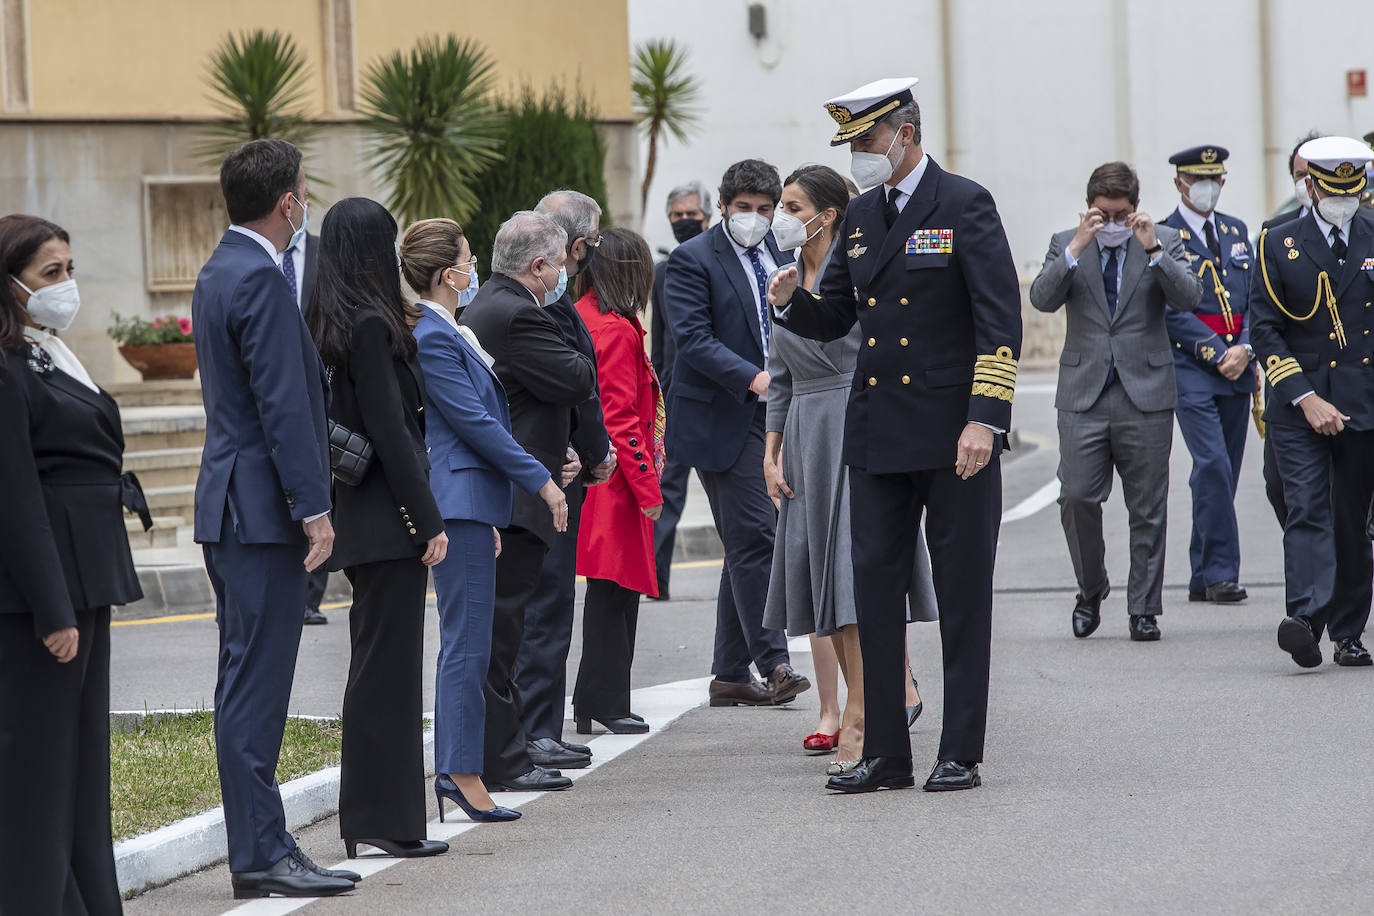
863 109
1337 164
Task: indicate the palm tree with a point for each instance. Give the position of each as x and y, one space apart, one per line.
435 125
260 81
664 95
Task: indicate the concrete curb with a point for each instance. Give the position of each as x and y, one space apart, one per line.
163 855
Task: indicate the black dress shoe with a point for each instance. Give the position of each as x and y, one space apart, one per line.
785 684
873 773
1351 653
728 693
287 877
951 775
1087 614
313 617
621 726
536 780
551 755
398 849
1221 593
1144 628
1296 638
576 748
304 859
637 717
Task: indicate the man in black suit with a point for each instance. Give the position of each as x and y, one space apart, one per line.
541 671
926 269
689 213
545 379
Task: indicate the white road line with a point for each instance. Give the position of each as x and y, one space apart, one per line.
660 706
1033 503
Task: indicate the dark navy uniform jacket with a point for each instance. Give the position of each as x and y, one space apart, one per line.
1313 318
939 302
1198 347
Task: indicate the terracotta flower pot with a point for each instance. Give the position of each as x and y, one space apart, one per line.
162 361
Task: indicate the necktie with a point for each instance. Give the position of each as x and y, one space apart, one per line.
1338 246
890 212
1109 277
288 267
1211 235
761 277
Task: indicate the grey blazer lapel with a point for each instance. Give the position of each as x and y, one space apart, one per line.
1131 273
1091 267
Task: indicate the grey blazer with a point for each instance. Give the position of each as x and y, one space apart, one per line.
1135 338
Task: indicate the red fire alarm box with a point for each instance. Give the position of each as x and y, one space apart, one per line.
1356 84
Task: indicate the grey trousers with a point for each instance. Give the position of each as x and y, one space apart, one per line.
1114 435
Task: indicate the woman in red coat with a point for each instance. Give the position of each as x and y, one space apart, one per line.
615 543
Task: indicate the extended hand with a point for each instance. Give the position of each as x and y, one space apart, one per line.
572 466
782 286
603 471
553 497
1233 362
1088 224
1144 226
63 644
653 512
975 450
777 485
760 384
320 533
1322 415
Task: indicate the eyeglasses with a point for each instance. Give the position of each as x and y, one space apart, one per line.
466 265
593 243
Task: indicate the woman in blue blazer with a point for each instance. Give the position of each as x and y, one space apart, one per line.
474 462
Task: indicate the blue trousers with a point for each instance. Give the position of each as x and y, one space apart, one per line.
466 587
1214 428
259 593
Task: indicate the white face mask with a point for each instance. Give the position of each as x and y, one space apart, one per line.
1203 195
790 232
871 169
53 307
1300 192
748 229
1113 234
1338 211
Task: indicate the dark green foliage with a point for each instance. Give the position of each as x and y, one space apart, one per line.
259 80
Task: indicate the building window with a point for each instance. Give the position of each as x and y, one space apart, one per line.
183 220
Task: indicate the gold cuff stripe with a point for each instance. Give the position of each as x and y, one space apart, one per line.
1281 369
1001 392
985 374
1280 377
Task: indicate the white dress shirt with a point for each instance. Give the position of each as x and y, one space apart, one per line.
1196 221
907 186
465 332
769 267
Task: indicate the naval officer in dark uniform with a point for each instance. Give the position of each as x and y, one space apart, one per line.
924 266
1312 333
1212 365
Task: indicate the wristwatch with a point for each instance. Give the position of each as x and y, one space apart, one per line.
1155 250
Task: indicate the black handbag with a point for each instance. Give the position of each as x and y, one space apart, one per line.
350 453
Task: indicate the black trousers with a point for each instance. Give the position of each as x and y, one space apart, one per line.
315 587
55 850
517 577
1273 486
541 671
382 779
610 617
962 520
1327 558
673 485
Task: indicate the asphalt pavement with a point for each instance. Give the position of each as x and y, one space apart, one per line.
1204 773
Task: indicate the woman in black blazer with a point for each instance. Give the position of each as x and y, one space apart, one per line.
387 529
64 559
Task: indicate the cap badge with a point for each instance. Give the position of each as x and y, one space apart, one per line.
841 114
1288 242
1209 156
1345 170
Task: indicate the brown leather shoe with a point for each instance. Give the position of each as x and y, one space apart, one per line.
754 693
786 683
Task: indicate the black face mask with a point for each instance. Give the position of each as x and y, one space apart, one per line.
685 229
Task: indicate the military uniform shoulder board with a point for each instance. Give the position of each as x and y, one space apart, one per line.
1184 234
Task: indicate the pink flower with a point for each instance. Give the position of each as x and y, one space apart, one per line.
185 325
157 322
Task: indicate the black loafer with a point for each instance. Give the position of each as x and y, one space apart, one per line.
1144 628
621 726
952 775
575 748
551 755
287 877
1087 614
1296 638
874 773
536 780
304 859
314 618
1221 593
1351 653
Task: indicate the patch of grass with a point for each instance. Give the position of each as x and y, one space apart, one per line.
165 769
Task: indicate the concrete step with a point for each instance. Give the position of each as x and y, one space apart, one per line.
149 429
173 392
179 499
163 534
164 467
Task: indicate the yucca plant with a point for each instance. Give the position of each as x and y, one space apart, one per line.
664 95
435 126
260 81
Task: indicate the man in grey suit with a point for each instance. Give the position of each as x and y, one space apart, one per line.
1116 396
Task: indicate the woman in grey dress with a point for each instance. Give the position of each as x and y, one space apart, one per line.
812 585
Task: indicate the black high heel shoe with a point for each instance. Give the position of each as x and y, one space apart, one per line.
914 712
626 725
399 849
445 787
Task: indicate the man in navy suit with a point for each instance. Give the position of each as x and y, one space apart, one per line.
716 303
262 503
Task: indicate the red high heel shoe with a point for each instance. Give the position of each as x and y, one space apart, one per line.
820 743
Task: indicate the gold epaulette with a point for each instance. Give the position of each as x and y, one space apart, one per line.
1279 369
995 376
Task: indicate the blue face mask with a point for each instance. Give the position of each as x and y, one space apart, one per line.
553 295
305 221
469 292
